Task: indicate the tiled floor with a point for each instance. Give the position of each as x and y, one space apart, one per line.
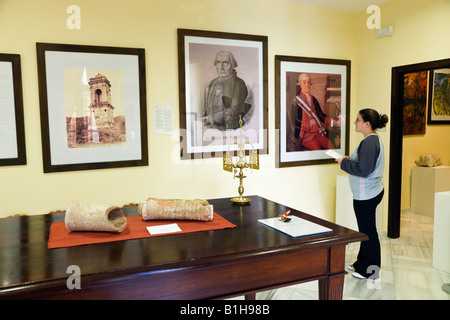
406 272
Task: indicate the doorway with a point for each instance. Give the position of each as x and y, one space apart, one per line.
396 139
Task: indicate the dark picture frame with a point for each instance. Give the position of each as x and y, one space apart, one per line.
439 96
415 91
93 107
328 83
12 127
221 76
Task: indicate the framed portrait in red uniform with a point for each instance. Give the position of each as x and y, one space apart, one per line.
312 99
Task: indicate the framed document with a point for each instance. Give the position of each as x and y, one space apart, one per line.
312 103
222 80
12 129
93 107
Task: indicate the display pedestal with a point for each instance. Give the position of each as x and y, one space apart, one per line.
441 237
425 182
345 215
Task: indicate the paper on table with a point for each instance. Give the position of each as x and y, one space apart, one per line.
166 228
333 154
297 227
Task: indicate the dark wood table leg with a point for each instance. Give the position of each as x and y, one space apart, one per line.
332 286
250 296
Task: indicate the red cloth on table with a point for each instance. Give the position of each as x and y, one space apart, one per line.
60 237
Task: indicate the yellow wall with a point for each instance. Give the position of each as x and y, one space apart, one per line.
153 25
292 29
420 35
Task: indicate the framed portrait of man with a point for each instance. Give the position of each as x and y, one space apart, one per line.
312 107
222 90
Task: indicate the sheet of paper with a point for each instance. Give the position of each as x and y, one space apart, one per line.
297 227
163 119
334 154
165 228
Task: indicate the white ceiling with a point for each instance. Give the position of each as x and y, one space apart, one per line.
342 5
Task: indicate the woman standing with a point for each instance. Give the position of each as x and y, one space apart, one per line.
365 167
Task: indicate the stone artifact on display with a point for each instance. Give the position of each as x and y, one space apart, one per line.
88 216
176 209
429 160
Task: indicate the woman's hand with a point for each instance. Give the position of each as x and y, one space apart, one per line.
339 160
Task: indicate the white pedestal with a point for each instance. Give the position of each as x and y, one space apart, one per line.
425 182
345 215
441 237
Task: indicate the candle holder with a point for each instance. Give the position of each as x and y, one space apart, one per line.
238 164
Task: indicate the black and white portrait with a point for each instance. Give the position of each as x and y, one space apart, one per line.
224 89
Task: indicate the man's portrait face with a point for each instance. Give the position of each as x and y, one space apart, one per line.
223 65
305 83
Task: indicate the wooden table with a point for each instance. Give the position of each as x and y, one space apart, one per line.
201 265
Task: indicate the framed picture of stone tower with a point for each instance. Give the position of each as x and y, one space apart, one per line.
93 107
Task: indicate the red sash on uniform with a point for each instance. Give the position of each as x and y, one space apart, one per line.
305 107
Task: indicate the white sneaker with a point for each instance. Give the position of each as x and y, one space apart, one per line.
351 267
358 276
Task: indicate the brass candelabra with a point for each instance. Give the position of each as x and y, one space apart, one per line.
239 163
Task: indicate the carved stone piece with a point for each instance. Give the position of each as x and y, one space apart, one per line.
88 216
175 209
429 160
